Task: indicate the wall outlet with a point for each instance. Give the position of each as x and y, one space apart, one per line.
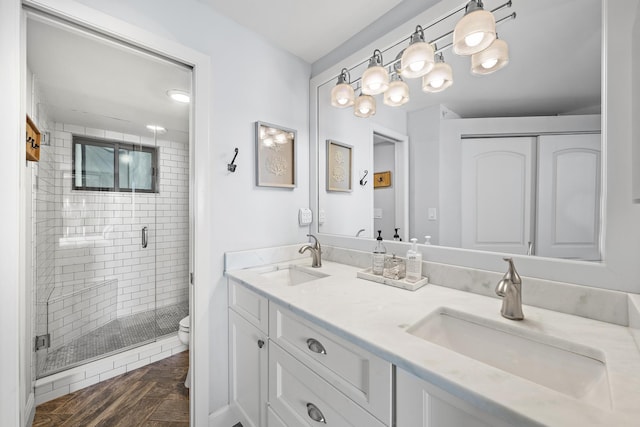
305 216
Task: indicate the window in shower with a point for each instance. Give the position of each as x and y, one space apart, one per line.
103 165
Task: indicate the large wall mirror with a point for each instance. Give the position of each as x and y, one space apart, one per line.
509 162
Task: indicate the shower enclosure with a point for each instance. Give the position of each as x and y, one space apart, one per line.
110 200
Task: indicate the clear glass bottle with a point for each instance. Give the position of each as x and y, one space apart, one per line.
414 263
378 255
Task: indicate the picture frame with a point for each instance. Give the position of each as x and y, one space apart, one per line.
339 167
382 179
275 155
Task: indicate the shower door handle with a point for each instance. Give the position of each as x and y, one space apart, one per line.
145 236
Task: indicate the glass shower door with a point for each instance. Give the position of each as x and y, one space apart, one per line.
101 294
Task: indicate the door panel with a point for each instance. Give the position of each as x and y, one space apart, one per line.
495 170
569 196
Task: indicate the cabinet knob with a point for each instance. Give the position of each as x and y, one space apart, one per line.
315 414
260 343
315 346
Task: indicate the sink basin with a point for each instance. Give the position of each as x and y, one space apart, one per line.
290 275
575 370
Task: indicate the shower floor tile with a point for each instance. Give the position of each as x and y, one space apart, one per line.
116 335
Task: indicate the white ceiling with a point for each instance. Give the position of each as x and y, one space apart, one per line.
307 28
92 82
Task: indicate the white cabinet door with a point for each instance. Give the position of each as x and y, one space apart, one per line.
569 196
420 404
248 370
497 187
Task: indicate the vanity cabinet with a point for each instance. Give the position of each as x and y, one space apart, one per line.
361 376
302 398
248 354
287 371
420 404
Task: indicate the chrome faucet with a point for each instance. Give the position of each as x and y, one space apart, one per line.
510 289
316 251
362 230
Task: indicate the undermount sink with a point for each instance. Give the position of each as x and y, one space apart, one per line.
575 370
290 275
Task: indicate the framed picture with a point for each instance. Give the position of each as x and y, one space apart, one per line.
382 179
275 156
339 162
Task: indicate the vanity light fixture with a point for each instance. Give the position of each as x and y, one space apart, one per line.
342 94
179 96
398 92
375 79
365 106
439 78
491 59
475 31
474 35
417 59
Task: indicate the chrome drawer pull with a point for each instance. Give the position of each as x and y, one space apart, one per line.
315 414
315 346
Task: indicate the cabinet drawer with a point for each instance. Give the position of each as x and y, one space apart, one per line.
360 375
301 398
249 305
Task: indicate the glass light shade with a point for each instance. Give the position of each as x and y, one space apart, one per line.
397 94
491 59
365 106
375 80
438 79
342 95
474 32
417 60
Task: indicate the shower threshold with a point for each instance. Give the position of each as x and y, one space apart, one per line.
116 336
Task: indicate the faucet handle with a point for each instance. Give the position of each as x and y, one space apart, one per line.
315 240
511 273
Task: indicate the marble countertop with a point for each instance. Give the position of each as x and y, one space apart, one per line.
376 317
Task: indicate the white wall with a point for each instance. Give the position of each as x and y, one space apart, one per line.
251 81
13 301
343 126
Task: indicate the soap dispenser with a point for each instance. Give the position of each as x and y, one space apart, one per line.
378 255
396 236
414 263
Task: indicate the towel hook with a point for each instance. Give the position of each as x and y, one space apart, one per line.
362 181
231 167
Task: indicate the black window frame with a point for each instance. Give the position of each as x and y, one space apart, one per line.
116 145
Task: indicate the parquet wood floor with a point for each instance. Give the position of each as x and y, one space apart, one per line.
151 396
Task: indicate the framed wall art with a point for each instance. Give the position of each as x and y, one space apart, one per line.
339 165
275 156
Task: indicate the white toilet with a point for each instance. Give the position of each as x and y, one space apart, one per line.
183 335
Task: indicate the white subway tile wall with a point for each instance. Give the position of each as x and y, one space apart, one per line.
88 244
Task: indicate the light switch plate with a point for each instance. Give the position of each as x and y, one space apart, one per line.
432 214
322 216
305 216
